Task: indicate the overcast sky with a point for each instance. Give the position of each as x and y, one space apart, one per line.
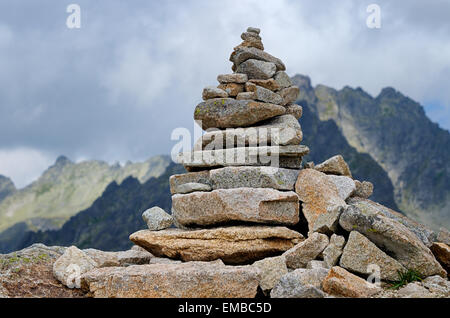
115 88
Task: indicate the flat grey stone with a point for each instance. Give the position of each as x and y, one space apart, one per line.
263 94
256 69
157 219
243 54
283 80
232 78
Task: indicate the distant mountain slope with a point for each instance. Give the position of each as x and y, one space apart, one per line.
67 188
107 224
7 187
398 135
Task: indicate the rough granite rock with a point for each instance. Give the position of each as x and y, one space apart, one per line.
122 258
335 165
345 185
232 78
270 84
233 245
282 130
282 79
442 253
186 280
163 260
443 236
263 94
28 273
318 194
178 180
333 251
327 223
220 206
301 283
363 189
256 69
192 187
392 237
254 177
414 290
360 252
437 285
245 156
71 265
425 234
229 113
243 54
300 255
245 96
315 264
232 89
294 110
157 219
271 269
213 92
340 282
289 95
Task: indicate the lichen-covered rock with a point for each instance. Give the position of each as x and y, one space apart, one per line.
359 253
392 237
257 205
270 84
301 283
294 110
318 194
340 282
327 223
229 113
271 270
73 263
301 254
333 251
263 94
28 273
233 245
157 219
425 234
289 95
363 189
282 79
335 165
232 89
256 69
185 280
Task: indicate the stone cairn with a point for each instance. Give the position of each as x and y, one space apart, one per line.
244 207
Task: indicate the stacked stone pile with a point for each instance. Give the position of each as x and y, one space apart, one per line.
249 218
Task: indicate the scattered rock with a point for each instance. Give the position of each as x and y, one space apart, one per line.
335 165
363 189
283 80
232 78
289 94
315 264
437 285
442 253
318 194
157 219
345 185
71 265
233 245
213 92
426 235
301 283
327 223
232 89
271 269
228 113
333 251
186 280
28 273
301 254
256 69
341 283
414 290
390 236
360 253
263 94
243 204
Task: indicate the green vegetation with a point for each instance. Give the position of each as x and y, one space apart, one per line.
406 277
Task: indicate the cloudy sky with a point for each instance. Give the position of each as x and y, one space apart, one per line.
116 88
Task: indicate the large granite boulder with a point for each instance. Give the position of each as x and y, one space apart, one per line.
233 245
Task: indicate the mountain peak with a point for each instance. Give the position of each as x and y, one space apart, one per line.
62 161
7 187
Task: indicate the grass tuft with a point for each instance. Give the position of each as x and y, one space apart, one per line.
406 277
